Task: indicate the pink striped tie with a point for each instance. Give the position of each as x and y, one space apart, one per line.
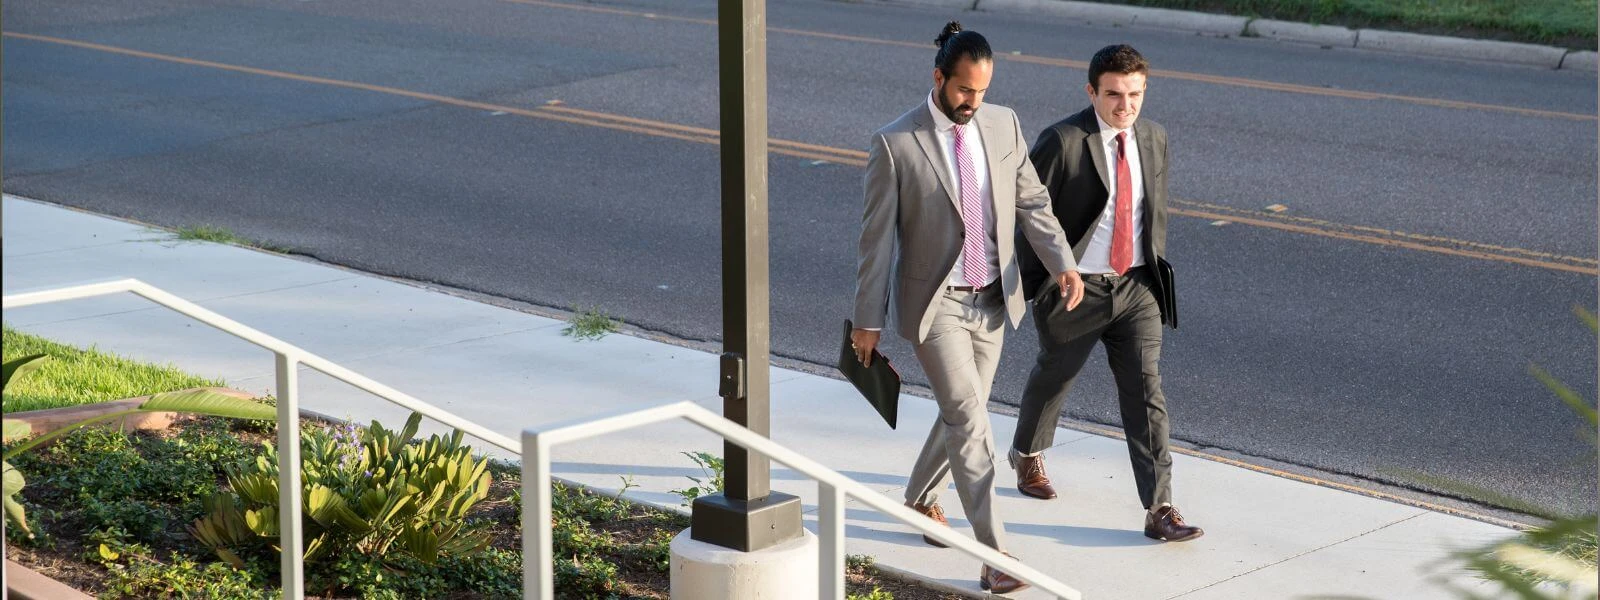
974 261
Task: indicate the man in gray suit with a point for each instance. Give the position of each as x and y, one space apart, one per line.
946 185
1106 170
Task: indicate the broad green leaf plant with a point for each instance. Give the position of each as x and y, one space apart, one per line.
367 492
198 401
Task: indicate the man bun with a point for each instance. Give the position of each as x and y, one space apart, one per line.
950 30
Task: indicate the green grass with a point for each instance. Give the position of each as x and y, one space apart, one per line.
209 233
72 376
590 325
1585 549
221 235
1581 547
1567 23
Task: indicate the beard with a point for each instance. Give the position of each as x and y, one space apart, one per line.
959 115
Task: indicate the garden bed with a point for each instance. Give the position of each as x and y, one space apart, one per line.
186 507
110 509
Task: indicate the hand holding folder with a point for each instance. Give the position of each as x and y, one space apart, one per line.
879 382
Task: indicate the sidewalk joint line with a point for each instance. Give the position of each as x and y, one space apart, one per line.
213 299
1207 452
1310 551
390 351
72 249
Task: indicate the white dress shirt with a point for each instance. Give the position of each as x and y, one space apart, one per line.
1097 258
970 138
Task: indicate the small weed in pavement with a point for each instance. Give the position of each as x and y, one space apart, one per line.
208 233
221 235
590 325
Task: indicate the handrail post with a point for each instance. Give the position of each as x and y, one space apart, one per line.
5 590
289 503
830 531
538 544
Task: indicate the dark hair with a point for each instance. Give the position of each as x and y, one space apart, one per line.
1116 58
955 43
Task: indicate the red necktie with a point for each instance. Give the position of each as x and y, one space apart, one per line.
1122 224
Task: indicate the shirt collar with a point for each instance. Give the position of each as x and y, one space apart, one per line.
940 122
1109 135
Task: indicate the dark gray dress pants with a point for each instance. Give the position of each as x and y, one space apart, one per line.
1122 314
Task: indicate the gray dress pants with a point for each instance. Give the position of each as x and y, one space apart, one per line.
960 355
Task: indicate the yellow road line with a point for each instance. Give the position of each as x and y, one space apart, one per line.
615 11
1292 88
852 157
689 134
1389 232
1396 243
841 152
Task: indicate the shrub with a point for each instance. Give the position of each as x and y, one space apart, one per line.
371 496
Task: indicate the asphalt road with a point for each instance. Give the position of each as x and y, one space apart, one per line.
1440 218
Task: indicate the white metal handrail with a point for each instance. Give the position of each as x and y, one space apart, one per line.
538 572
288 360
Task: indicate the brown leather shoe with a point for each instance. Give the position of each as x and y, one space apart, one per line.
934 512
1167 525
997 582
1031 480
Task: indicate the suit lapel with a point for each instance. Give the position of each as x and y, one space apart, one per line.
1097 151
1149 166
930 146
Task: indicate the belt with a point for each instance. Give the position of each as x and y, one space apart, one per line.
1109 277
968 288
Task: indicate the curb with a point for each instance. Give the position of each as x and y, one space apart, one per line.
1435 45
1586 60
1116 15
947 4
46 420
23 583
1326 35
1332 36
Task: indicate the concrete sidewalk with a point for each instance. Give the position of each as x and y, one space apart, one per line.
1268 537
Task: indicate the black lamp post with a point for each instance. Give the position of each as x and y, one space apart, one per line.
748 515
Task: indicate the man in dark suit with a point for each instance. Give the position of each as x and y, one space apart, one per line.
1106 172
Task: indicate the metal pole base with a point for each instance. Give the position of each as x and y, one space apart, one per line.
746 525
702 571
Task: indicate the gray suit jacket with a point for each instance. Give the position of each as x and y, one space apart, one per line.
911 229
